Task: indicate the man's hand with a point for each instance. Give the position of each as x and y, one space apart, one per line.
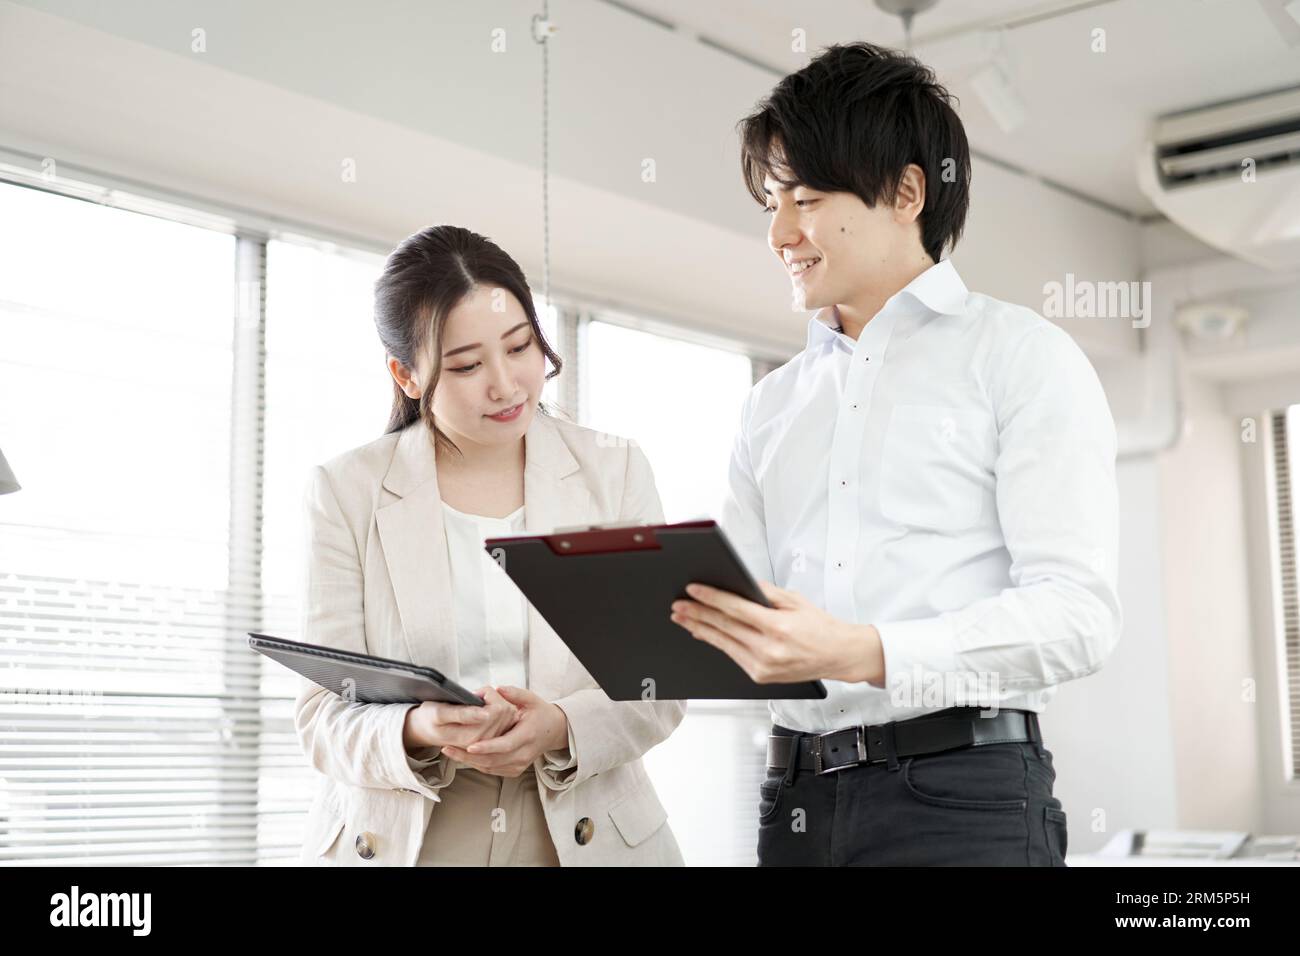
540 726
792 641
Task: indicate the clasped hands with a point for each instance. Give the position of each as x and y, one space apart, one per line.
503 737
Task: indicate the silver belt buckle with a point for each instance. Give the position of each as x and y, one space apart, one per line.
860 741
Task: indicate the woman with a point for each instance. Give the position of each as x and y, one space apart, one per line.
549 771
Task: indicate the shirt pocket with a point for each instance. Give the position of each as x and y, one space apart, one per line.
936 466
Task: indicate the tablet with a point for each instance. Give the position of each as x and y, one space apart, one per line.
360 677
607 591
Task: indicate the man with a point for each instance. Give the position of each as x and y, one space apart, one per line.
931 482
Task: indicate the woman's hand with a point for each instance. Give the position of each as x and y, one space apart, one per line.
541 726
435 724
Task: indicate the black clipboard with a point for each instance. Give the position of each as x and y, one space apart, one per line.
362 678
607 591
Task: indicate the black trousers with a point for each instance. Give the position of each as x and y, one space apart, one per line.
990 805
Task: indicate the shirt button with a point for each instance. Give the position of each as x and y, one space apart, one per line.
843 484
839 564
366 845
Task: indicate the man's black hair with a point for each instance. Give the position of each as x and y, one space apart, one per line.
850 121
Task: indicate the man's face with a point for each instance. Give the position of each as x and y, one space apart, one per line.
830 244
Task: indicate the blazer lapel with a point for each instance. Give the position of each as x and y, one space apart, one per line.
415 551
555 496
415 545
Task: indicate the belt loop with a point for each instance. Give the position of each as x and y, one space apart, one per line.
1035 734
891 747
792 768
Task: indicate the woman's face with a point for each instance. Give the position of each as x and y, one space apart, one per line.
491 363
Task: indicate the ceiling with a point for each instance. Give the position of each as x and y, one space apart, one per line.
1087 112
670 96
447 129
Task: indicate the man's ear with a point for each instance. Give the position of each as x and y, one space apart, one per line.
910 200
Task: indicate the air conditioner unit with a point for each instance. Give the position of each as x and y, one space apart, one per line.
1230 175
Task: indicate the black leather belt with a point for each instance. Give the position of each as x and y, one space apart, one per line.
930 733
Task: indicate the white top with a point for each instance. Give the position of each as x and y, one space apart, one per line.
948 477
491 613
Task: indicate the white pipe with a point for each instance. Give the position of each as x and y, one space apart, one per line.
1159 424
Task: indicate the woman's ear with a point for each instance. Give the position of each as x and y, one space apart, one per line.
404 379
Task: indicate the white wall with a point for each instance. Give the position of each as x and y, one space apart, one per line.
1110 734
1208 620
1215 583
1190 748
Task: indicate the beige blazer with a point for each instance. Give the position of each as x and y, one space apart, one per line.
377 581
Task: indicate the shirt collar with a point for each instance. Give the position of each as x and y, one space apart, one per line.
939 289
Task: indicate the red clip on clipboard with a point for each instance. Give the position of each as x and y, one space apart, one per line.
607 591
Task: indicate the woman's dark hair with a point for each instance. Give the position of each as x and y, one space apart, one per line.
424 279
850 121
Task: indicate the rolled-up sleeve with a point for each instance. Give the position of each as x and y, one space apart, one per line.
1058 506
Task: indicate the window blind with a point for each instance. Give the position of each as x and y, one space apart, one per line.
1283 427
132 729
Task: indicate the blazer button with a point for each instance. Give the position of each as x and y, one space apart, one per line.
583 831
365 845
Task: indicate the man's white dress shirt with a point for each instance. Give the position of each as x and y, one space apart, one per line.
948 477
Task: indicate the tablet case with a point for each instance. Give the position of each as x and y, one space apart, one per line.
361 677
608 592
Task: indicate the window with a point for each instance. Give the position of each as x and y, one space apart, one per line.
328 389
681 403
122 738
